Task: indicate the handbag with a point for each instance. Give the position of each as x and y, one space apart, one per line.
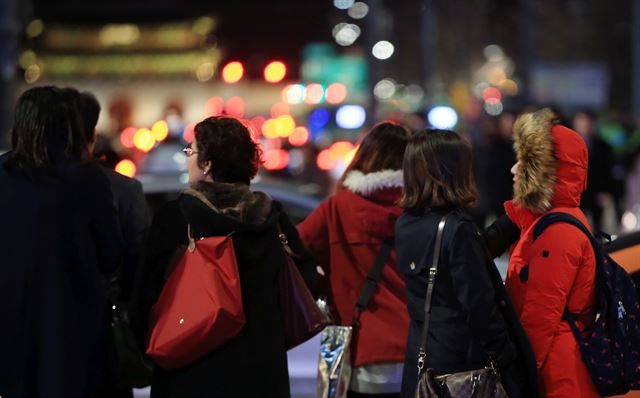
477 383
336 342
301 316
200 306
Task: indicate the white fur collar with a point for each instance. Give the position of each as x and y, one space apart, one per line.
365 184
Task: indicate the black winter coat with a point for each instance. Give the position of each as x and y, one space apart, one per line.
254 362
471 317
59 235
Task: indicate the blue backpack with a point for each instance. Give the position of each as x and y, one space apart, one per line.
611 347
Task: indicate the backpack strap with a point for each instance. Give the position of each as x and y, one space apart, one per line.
541 225
372 280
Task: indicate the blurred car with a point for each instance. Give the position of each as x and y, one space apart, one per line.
163 174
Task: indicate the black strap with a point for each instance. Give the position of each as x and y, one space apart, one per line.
372 280
433 271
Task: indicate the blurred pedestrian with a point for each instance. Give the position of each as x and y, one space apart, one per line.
345 234
472 324
59 238
221 162
556 272
131 207
601 161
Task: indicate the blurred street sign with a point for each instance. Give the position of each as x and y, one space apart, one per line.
570 85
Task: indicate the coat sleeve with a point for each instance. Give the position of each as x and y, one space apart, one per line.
554 259
476 295
500 235
314 230
303 258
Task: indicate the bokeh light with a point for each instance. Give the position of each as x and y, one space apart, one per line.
276 159
160 130
343 4
189 133
326 160
126 167
314 94
350 116
442 117
299 137
234 107
491 95
275 71
346 33
143 140
205 71
493 108
214 106
384 89
358 10
382 50
285 124
232 72
319 118
336 93
126 137
293 93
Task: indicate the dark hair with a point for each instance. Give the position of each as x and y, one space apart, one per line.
438 171
380 149
46 126
89 110
227 144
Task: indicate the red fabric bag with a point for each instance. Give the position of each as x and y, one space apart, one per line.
200 306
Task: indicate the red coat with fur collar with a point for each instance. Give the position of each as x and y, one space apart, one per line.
558 269
345 233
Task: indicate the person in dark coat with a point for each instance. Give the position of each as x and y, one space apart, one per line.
222 161
59 238
472 323
131 208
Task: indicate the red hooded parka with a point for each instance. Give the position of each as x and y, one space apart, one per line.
558 269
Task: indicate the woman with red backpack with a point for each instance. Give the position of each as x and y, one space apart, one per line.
555 271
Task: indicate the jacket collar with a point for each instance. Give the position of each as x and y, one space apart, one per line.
366 184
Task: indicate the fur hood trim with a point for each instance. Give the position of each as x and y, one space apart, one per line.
235 201
536 176
366 184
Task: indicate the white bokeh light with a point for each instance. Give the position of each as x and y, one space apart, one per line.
346 34
359 10
350 116
442 117
382 49
384 89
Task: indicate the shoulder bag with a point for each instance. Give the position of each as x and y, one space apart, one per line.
479 383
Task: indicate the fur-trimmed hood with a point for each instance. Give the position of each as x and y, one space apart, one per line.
235 201
366 184
553 163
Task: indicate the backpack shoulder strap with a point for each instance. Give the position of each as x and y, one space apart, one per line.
552 218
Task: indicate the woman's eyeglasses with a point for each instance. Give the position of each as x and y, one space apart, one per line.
188 150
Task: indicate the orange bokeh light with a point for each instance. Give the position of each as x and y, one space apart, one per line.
276 159
126 167
160 130
143 140
299 137
326 160
234 107
232 72
336 93
275 71
314 94
126 137
214 106
341 148
189 133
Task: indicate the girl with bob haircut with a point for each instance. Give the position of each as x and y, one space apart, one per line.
472 322
346 233
222 161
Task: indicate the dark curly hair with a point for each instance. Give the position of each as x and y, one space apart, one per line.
227 144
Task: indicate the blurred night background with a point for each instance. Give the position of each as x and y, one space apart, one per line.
309 77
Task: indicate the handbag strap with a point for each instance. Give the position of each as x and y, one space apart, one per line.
372 280
433 271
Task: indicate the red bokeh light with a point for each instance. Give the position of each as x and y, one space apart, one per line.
189 133
126 137
214 106
299 137
279 109
491 95
336 93
276 159
314 94
234 107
